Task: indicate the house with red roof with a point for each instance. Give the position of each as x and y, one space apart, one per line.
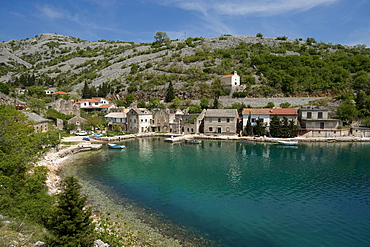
267 113
95 104
232 80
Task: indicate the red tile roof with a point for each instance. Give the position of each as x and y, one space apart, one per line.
270 111
60 92
98 107
225 76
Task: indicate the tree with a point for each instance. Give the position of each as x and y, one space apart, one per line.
204 103
249 128
259 129
275 126
347 110
161 38
141 104
170 95
216 103
176 102
259 35
94 120
4 88
270 105
285 105
129 99
86 92
22 186
36 91
69 220
37 105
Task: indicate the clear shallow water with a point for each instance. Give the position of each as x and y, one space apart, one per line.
240 194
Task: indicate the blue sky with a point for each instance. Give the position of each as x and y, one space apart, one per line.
344 22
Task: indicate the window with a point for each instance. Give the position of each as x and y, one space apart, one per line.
210 120
228 120
227 129
210 129
309 114
219 120
319 115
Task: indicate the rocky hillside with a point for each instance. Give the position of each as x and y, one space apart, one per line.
193 65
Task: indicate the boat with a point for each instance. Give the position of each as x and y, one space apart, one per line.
115 146
192 141
96 135
85 138
288 143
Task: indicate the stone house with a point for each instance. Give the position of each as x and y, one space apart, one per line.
193 123
139 120
316 123
67 107
317 119
39 123
220 121
77 120
117 117
164 120
360 132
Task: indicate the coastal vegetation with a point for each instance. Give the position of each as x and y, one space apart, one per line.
26 208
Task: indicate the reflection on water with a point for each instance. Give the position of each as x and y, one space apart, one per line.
237 193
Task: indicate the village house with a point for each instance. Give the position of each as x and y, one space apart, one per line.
316 122
67 107
232 80
117 117
95 104
220 121
265 114
39 123
139 120
54 94
360 132
192 123
77 120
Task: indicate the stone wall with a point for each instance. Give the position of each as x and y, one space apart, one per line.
226 101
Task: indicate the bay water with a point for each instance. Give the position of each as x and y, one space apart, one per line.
246 194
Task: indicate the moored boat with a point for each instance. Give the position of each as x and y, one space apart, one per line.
192 141
288 143
115 146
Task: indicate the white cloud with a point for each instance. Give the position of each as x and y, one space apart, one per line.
247 7
51 12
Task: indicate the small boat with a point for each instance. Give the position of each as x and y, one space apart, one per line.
115 146
85 138
192 141
288 143
97 135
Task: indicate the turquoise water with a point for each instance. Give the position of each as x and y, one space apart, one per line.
242 194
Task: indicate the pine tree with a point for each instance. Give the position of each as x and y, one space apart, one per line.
249 128
85 91
259 129
170 95
69 221
275 126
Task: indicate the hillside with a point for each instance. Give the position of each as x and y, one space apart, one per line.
269 67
